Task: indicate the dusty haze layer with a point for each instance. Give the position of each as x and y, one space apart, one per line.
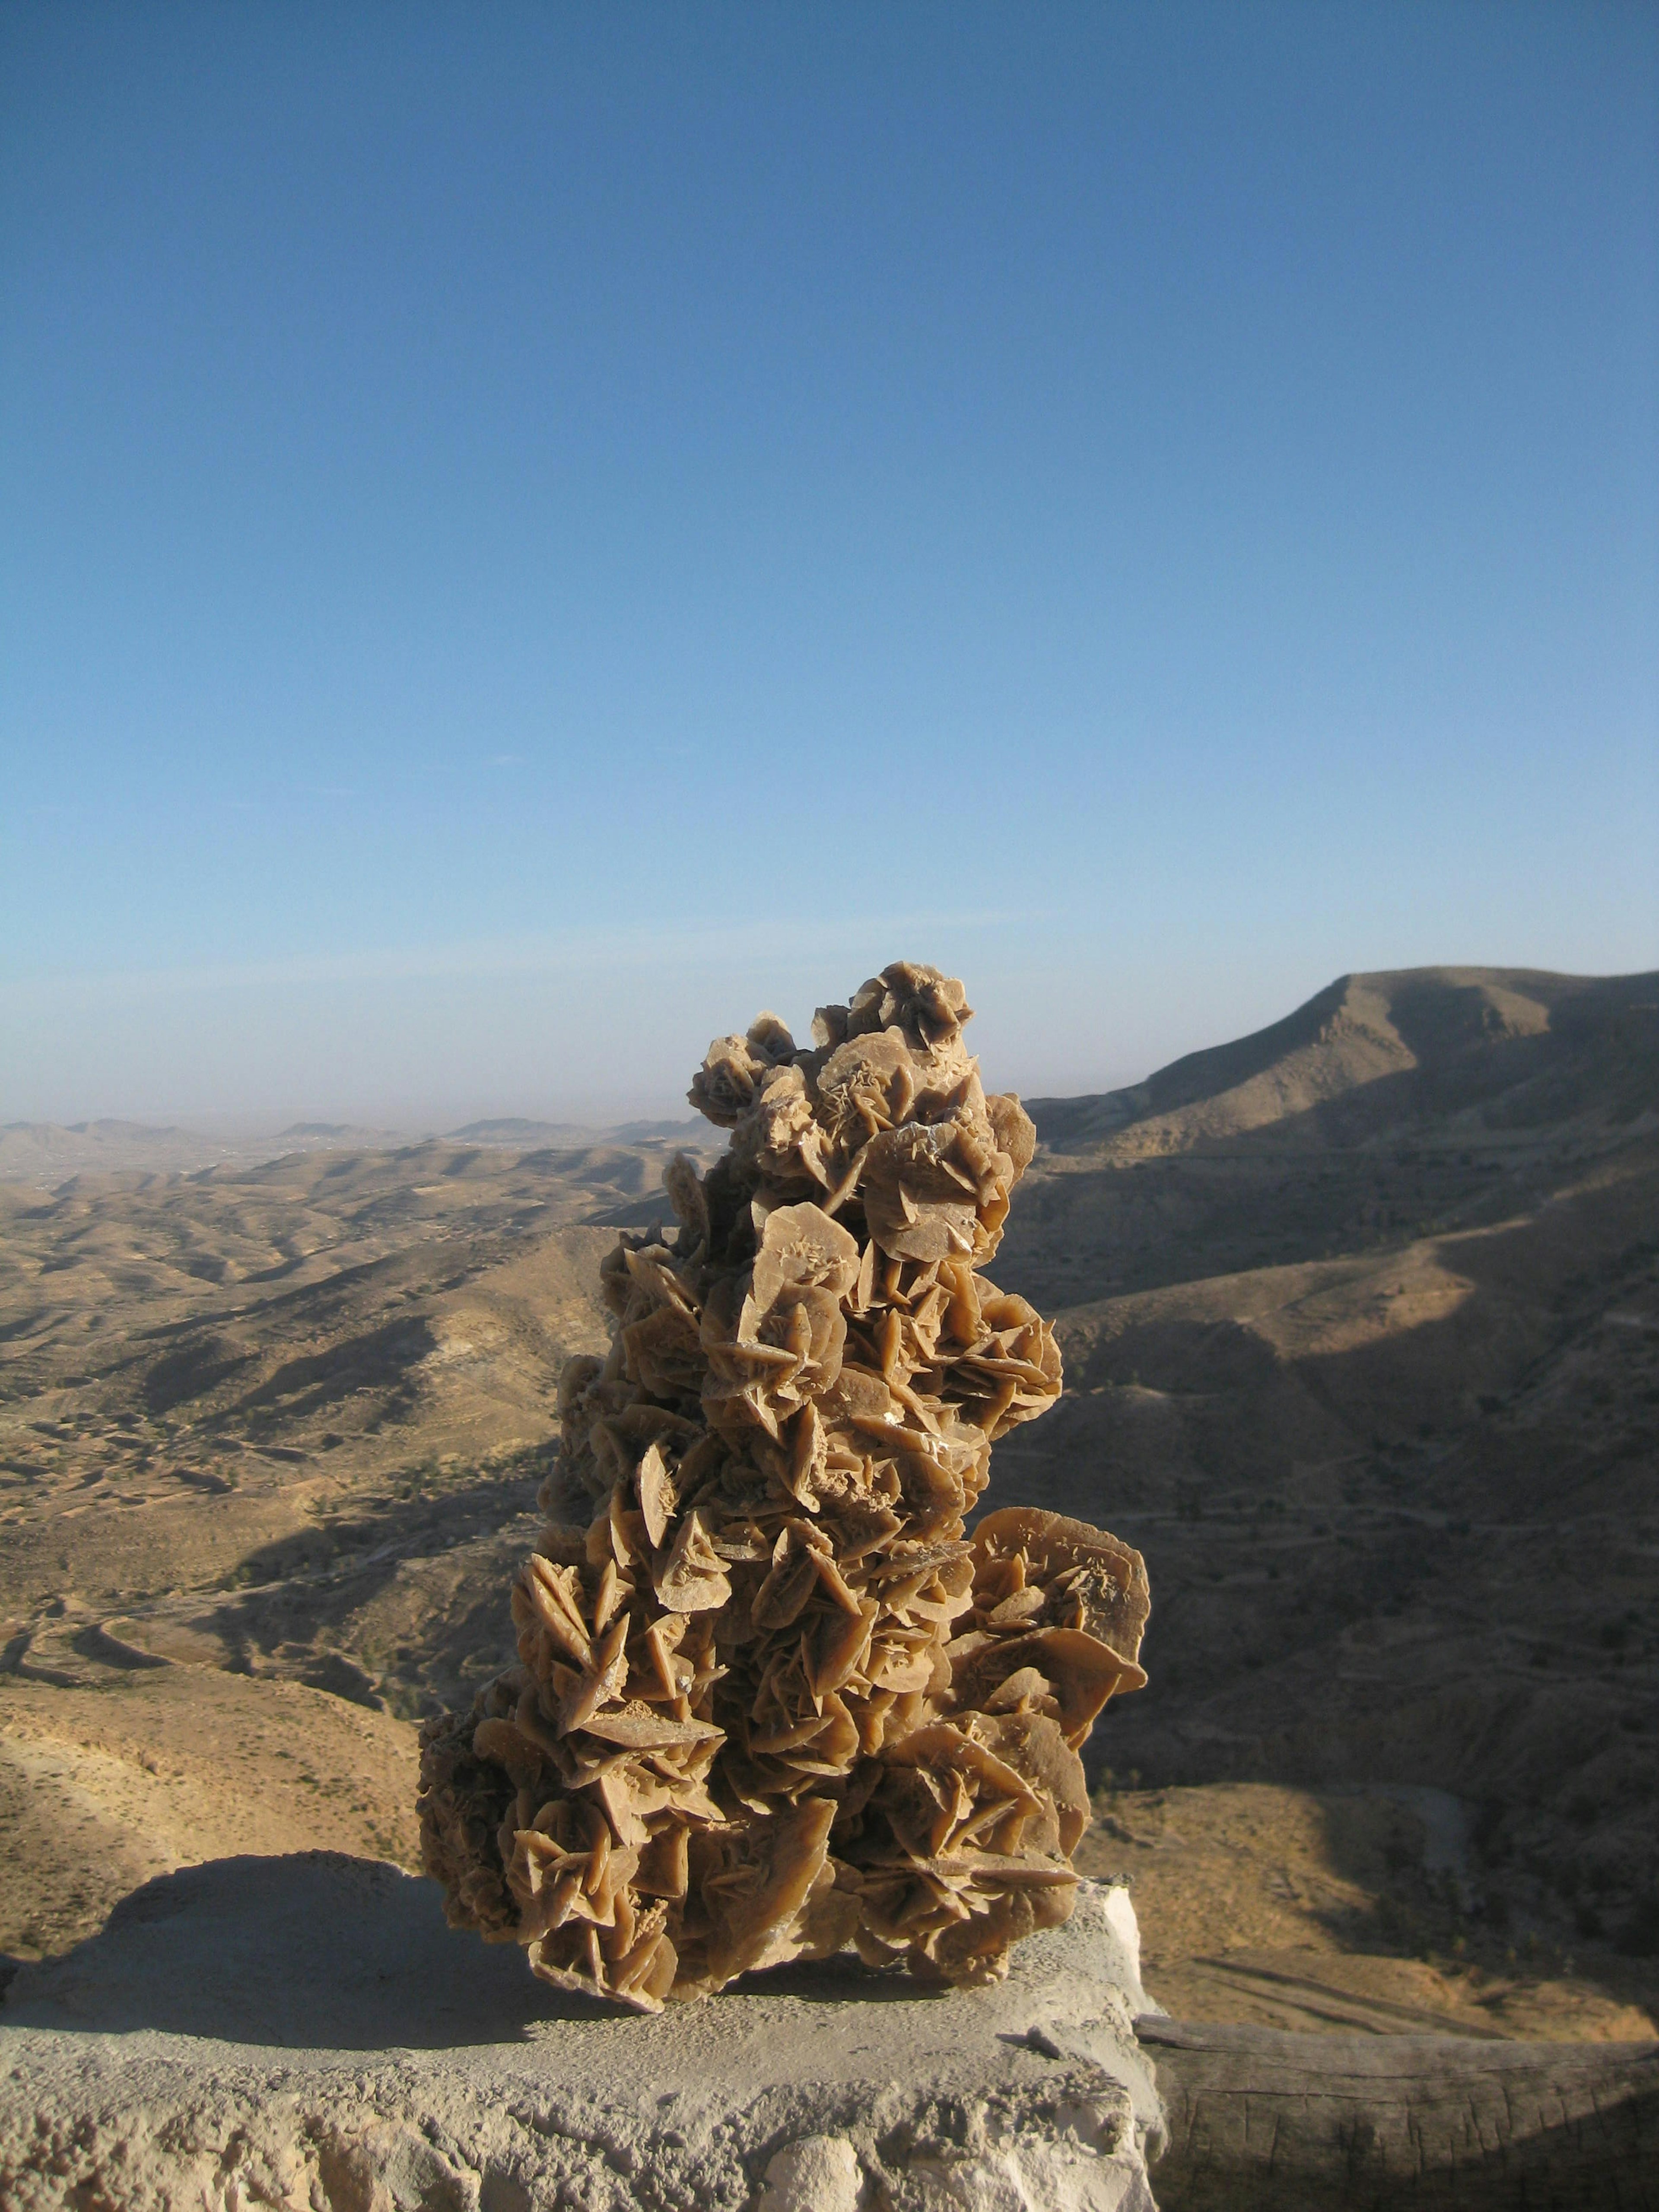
1359 1319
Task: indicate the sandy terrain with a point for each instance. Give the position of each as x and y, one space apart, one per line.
1341 1911
101 1790
1361 1319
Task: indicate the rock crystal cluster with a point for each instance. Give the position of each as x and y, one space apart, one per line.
770 1699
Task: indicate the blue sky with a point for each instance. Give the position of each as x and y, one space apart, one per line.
529 532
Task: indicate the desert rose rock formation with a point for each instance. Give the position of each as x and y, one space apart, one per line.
770 1700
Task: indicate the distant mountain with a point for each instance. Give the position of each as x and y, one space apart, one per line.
527 1135
1371 1053
693 1131
571 1136
49 1153
46 1151
44 1134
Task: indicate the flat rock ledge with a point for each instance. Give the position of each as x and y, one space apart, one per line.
305 2032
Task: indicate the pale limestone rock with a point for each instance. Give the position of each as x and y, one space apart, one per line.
307 2034
819 2174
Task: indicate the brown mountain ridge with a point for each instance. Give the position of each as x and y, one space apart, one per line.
1370 1052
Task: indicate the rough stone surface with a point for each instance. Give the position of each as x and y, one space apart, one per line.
305 2032
1263 2122
819 2174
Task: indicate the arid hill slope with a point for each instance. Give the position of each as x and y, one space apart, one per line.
1371 1053
1361 1323
270 1441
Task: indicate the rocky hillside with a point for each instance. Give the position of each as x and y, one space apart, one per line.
1361 1322
1513 1046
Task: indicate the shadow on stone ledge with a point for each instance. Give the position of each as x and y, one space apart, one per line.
253 1951
306 2031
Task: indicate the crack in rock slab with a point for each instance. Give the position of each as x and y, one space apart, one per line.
306 2033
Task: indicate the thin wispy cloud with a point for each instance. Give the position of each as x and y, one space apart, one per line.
594 952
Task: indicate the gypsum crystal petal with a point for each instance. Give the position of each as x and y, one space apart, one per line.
666 1355
693 1577
1014 1129
735 1067
779 1138
1082 1672
1093 1582
684 1189
756 1881
929 1008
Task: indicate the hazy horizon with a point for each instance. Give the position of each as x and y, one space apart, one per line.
526 537
597 1109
